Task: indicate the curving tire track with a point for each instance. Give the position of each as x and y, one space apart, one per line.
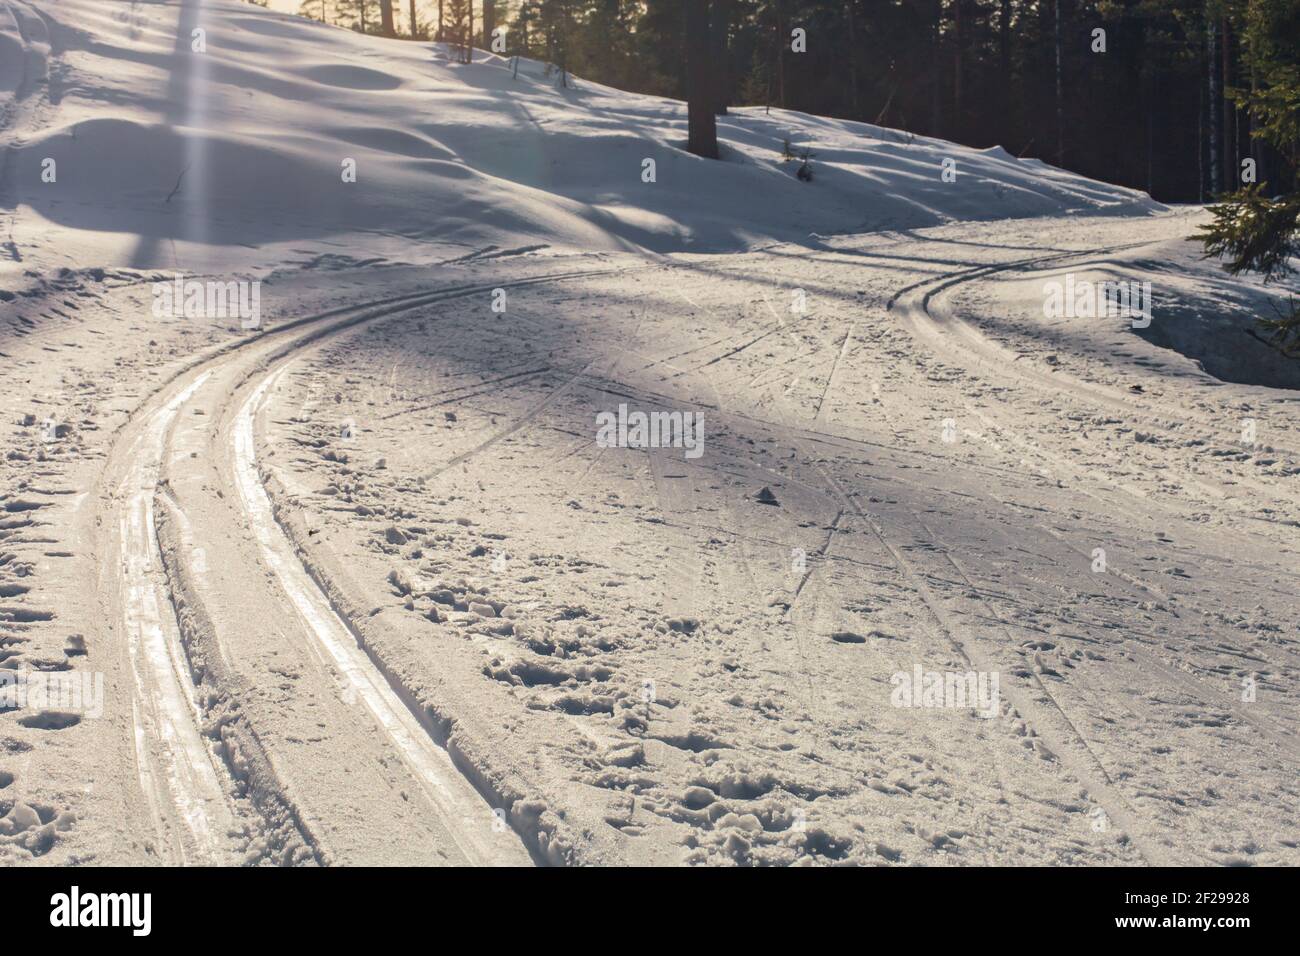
189 782
449 791
936 324
174 764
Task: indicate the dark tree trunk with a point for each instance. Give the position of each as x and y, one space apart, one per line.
386 18
702 139
1010 102
414 23
1229 126
854 104
959 49
936 27
1212 74
1200 138
1151 141
1146 84
782 41
719 25
489 22
1004 39
1259 150
1060 93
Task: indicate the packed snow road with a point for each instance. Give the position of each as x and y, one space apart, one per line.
374 587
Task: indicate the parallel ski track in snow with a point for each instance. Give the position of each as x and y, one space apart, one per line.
430 764
922 304
185 784
916 302
164 708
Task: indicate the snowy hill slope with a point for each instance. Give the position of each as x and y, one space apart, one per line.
157 147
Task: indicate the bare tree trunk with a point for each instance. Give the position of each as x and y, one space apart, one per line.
414 23
782 41
1151 139
1261 161
959 41
1200 141
1009 104
489 22
853 62
468 53
386 18
702 127
1147 86
1212 72
936 26
439 34
1060 99
719 26
1230 158
1004 39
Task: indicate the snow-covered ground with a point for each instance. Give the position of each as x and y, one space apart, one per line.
168 158
365 582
